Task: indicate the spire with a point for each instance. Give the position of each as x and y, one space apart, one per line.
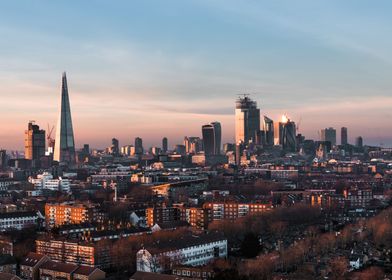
64 149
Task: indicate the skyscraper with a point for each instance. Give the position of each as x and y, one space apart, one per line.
212 137
247 120
287 134
64 147
164 144
115 149
34 142
359 142
268 127
138 146
3 159
343 136
193 145
328 134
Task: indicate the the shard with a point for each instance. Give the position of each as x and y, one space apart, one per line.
64 148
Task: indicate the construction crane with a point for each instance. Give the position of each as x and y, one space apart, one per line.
299 123
49 137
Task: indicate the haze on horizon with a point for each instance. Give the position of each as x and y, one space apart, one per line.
154 69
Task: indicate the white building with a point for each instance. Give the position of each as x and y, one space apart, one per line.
45 181
18 220
188 250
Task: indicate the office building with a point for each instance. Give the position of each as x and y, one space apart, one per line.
212 138
343 136
34 142
359 142
247 120
114 148
164 144
193 145
228 147
286 131
139 146
3 159
268 128
328 134
156 151
64 148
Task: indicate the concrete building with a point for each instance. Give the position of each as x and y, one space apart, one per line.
18 220
45 181
188 250
57 214
75 252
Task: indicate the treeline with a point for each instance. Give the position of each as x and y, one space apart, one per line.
298 259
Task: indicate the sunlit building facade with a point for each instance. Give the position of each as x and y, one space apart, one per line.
34 142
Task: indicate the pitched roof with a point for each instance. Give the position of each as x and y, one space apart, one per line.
185 241
60 267
85 270
32 259
8 276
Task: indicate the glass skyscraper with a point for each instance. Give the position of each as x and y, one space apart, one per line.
64 147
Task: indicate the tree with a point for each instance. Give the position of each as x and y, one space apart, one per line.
338 267
250 246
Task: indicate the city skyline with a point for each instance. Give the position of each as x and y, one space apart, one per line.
120 67
177 139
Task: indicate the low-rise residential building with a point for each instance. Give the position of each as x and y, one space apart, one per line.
29 266
57 214
74 252
56 270
18 220
189 250
45 181
8 264
231 210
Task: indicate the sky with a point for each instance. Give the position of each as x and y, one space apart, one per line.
165 68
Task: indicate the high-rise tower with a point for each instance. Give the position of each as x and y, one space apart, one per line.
247 120
212 135
268 127
34 142
328 134
343 136
64 148
287 134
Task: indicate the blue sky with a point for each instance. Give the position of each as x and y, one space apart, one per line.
164 68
